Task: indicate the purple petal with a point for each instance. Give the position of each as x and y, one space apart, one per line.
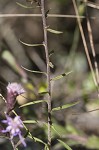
8 128
22 140
4 131
9 119
4 121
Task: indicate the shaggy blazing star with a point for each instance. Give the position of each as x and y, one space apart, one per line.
13 128
13 90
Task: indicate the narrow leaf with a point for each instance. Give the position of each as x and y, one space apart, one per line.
32 103
51 65
64 144
33 122
61 76
51 53
31 45
46 147
37 139
55 130
29 121
43 93
65 106
39 72
24 6
54 31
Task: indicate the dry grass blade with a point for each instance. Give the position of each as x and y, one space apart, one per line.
49 15
92 48
84 43
93 5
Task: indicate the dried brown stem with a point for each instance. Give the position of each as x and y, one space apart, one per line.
92 46
84 43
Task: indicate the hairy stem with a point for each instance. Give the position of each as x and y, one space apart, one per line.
48 70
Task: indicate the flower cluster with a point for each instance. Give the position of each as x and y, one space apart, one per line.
13 124
13 128
13 90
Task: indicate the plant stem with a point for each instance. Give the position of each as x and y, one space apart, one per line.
13 144
48 70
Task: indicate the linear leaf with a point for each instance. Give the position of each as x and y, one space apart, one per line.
30 121
46 147
54 31
31 45
43 93
34 138
65 106
55 130
61 76
32 103
37 140
34 71
33 122
24 6
51 65
59 130
64 144
51 53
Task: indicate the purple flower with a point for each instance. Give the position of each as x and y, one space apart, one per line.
13 90
13 128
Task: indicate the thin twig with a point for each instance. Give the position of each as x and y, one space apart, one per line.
48 70
84 43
